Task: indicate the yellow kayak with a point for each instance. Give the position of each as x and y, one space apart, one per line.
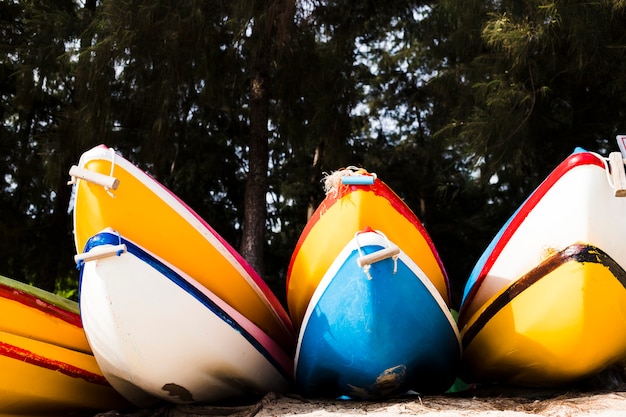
47 365
41 315
112 192
562 321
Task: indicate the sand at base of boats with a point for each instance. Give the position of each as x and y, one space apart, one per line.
603 396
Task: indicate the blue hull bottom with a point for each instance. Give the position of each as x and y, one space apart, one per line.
378 337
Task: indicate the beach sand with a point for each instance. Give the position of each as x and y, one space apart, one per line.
604 395
566 404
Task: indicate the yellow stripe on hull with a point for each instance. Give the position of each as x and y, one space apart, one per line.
563 321
43 379
334 224
42 316
141 214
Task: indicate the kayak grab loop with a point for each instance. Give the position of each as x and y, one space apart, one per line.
109 182
365 261
99 252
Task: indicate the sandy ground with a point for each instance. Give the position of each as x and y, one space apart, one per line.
604 396
567 404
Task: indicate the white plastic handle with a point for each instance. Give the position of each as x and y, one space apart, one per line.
106 181
100 252
378 256
618 175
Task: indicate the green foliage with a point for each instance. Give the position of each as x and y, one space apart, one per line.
36 88
461 107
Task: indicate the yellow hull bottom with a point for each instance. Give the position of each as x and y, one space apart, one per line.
563 321
42 316
43 379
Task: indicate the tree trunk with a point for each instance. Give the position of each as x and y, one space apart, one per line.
255 209
272 23
314 179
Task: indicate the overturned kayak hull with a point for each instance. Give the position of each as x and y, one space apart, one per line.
369 296
376 333
112 192
544 303
158 335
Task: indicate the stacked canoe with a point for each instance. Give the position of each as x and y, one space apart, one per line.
171 311
546 303
369 296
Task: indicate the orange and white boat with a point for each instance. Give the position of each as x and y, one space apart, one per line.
112 192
